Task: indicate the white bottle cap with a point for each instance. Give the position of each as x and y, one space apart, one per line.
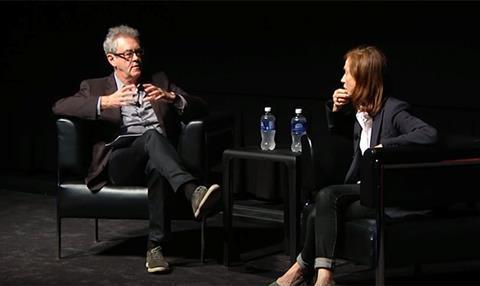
298 110
268 109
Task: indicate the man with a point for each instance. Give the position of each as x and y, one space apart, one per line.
149 110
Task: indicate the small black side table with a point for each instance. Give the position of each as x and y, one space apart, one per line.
291 206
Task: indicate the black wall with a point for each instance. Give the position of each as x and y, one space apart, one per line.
240 56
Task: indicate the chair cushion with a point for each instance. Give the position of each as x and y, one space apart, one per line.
408 242
121 202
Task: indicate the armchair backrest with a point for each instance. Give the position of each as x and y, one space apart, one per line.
200 146
324 161
308 169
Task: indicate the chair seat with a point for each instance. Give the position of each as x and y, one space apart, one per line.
111 202
412 241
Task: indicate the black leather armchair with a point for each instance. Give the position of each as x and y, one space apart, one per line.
442 179
206 139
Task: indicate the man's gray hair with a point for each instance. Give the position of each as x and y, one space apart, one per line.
110 43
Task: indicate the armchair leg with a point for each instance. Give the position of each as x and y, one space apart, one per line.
380 251
380 268
202 239
59 237
96 230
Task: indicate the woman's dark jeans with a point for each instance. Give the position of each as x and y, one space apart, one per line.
333 205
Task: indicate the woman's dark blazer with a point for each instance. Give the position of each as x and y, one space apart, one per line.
393 126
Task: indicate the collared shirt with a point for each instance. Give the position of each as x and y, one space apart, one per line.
365 122
140 116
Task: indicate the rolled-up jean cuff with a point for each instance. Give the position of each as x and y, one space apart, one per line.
303 264
322 262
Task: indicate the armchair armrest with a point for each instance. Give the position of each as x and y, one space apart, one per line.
203 141
72 158
75 138
419 176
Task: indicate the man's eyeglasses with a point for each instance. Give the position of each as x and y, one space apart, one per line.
128 54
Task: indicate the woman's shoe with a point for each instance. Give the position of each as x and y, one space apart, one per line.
297 282
332 283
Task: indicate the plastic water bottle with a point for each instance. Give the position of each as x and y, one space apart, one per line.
267 130
298 129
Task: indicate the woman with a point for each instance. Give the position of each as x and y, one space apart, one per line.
379 121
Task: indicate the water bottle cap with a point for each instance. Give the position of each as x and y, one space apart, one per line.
268 109
298 110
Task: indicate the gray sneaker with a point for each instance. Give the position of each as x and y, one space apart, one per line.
156 261
204 200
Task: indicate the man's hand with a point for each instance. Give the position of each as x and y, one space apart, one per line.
119 98
154 93
340 98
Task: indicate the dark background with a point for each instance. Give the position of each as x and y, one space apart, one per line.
240 56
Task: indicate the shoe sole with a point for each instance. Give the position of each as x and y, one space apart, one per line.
157 269
211 198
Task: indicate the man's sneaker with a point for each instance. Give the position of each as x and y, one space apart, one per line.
156 261
204 200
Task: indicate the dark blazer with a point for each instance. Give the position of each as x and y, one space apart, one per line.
83 104
393 126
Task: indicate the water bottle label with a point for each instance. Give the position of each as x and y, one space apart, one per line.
298 128
266 125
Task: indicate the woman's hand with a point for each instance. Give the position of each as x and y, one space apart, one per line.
340 98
